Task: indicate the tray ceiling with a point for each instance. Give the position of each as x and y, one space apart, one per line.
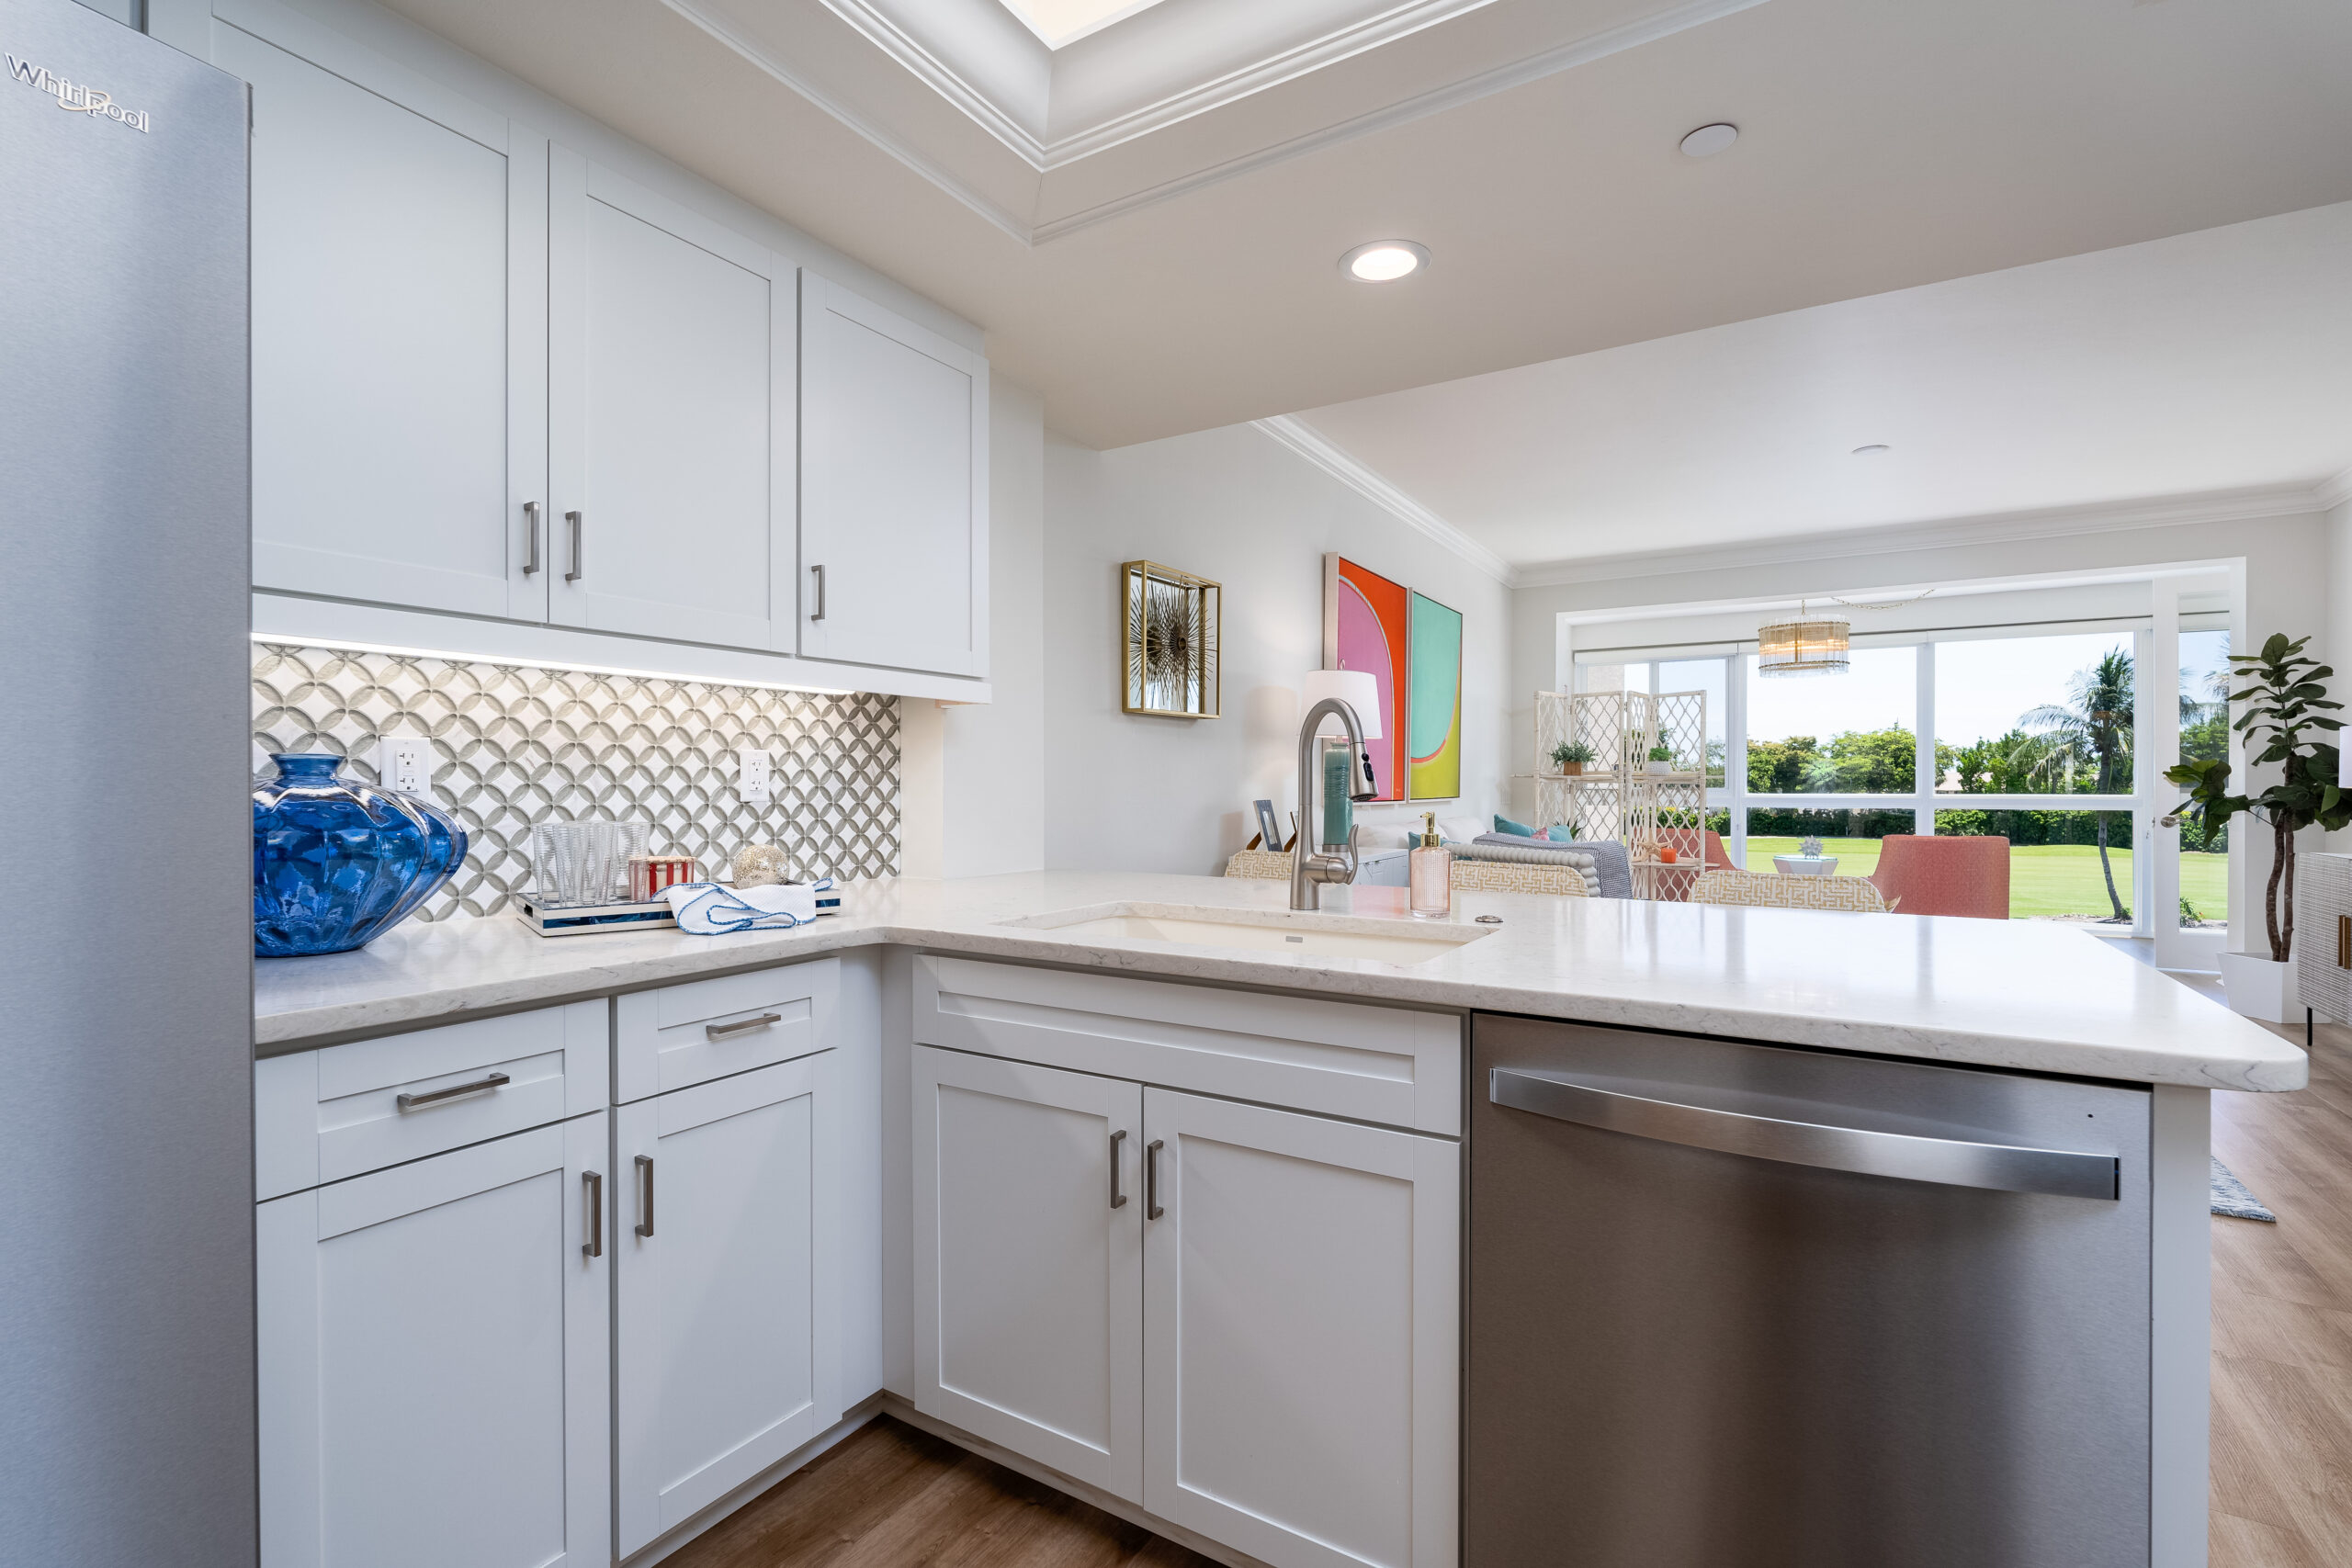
1140 104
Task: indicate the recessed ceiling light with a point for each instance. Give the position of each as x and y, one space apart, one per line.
1384 261
1872 450
1709 140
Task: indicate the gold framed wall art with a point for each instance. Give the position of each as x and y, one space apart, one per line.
1168 630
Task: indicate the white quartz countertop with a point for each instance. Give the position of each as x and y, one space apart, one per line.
1986 992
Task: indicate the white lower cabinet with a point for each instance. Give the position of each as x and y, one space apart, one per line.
1244 1319
724 1332
1029 1261
435 1361
1299 1332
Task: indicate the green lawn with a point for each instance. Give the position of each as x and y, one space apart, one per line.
2044 879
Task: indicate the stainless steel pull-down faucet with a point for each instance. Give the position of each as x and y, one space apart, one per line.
1309 872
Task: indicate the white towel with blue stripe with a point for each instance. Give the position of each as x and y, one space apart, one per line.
704 908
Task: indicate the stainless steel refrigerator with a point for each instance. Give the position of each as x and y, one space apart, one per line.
125 1189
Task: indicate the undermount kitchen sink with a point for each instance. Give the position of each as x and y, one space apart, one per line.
1271 931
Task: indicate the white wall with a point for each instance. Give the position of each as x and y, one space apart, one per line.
1232 505
972 779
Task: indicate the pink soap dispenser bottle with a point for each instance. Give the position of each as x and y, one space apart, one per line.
1430 868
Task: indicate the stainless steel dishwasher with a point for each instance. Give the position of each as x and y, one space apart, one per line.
1739 1306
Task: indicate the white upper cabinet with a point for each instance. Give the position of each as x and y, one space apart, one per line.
607 419
894 484
671 383
399 326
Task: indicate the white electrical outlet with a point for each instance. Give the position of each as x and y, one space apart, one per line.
751 774
404 762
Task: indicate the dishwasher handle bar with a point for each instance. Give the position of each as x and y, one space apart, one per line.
1950 1162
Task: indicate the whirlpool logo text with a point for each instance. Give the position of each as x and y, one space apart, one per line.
78 97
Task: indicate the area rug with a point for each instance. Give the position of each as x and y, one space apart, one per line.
2231 1198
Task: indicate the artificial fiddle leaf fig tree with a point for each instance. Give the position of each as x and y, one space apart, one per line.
2284 699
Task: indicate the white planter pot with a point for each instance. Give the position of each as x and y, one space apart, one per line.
2260 988
1658 767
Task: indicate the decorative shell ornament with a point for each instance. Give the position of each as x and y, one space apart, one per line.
759 865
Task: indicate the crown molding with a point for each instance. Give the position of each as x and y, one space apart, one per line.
2334 492
2246 505
769 63
1470 89
1341 43
939 77
1341 464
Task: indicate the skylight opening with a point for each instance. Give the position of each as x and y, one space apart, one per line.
1059 22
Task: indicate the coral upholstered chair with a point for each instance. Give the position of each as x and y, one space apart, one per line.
1945 874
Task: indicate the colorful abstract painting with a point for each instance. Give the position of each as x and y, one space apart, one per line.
1433 699
1365 627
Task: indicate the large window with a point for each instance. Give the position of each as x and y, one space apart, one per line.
2035 715
2031 738
1850 734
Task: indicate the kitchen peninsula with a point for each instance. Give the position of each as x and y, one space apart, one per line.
1136 1214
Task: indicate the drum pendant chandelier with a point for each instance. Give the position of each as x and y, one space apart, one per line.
1803 646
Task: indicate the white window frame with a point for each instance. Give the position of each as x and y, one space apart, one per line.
1923 801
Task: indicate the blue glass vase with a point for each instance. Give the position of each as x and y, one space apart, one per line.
336 862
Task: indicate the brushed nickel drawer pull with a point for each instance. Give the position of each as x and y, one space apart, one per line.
1118 1199
455 1091
741 1026
592 1183
645 1194
1151 1208
531 534
577 528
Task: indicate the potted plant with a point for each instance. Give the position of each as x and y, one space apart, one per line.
1570 756
1661 758
2284 700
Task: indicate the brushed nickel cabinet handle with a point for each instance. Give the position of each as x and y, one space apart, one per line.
455 1091
577 529
592 1185
1151 1208
531 536
1950 1162
820 593
741 1026
644 1195
1118 1199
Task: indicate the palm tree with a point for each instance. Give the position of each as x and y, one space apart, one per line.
2092 728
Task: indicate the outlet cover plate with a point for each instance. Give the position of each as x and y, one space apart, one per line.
751 774
404 762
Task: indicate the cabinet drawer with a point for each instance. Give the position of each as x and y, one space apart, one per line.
1373 1064
709 1029
323 1115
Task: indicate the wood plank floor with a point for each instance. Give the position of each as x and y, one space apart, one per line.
895 1497
891 1496
2282 1324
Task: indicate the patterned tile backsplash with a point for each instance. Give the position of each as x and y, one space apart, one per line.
513 745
